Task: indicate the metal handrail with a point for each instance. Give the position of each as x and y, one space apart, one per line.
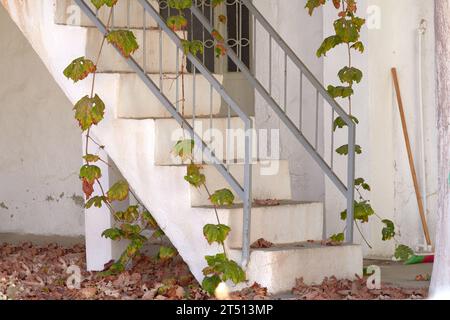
244 192
346 190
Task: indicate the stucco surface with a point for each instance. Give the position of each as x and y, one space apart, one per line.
40 144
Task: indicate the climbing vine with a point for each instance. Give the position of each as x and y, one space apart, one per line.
347 33
135 222
220 268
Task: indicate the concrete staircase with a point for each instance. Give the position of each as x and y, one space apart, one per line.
138 135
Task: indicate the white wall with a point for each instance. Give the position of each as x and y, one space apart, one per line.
384 162
303 34
41 147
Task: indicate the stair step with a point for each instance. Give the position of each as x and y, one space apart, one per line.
270 181
168 132
66 14
286 223
137 102
112 61
277 268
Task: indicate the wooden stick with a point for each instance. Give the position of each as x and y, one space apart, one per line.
410 157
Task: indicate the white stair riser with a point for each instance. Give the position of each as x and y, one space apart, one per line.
275 185
137 102
169 132
277 224
112 61
67 13
277 270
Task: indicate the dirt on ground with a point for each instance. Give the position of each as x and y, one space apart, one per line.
56 273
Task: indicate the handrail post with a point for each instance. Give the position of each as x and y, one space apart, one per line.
350 183
247 201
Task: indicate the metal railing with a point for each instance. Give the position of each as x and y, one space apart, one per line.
235 56
244 191
266 92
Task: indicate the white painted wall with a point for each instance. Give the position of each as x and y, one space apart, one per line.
303 34
384 162
41 147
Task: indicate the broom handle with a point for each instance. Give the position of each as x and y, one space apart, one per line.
410 157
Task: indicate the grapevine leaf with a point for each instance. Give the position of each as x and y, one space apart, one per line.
313 4
150 220
339 237
184 149
177 23
403 252
118 191
343 150
350 75
340 123
328 44
362 211
79 69
388 231
89 111
348 30
90 173
180 4
222 197
96 202
340 91
91 158
194 176
210 284
216 233
100 3
113 234
166 253
358 46
124 40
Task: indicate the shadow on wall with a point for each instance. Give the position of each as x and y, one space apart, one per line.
41 146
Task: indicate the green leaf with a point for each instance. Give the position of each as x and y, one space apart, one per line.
131 214
361 182
130 229
177 23
91 158
388 231
150 220
350 75
118 191
348 30
222 197
194 47
216 233
184 149
210 284
358 46
79 69
90 173
340 123
89 111
403 252
340 91
194 176
100 3
339 237
124 40
166 253
95 201
343 150
362 211
228 269
180 4
313 4
113 234
328 44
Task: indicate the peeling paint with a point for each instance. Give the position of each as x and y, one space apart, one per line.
4 206
49 199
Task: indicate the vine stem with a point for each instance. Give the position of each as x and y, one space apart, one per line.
362 235
217 217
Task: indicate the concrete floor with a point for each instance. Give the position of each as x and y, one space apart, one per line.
400 275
